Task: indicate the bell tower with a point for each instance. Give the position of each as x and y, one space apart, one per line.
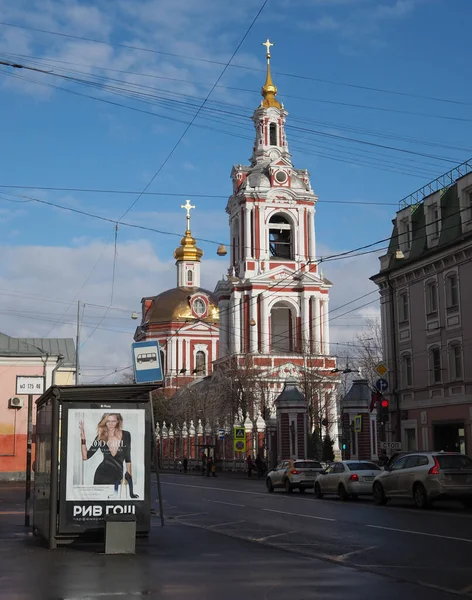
188 256
273 301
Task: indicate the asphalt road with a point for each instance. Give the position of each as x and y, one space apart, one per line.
431 548
228 538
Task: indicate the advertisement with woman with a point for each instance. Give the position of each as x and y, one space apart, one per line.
105 455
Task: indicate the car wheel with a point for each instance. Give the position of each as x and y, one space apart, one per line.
379 494
270 487
318 492
342 492
419 496
288 486
301 490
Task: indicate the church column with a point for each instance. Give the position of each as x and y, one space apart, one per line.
316 325
247 231
325 325
311 234
235 307
305 322
224 327
264 325
253 319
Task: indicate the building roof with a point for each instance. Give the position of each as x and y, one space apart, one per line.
174 305
22 347
450 233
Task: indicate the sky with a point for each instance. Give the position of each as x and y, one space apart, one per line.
378 99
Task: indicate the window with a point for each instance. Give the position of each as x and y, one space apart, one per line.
431 297
200 363
407 373
403 307
280 237
435 365
363 466
434 220
410 439
199 307
451 461
452 291
400 464
190 277
273 134
455 361
404 234
338 468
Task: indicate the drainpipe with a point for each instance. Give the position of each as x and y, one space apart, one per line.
60 360
393 346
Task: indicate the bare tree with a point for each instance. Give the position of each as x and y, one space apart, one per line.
368 349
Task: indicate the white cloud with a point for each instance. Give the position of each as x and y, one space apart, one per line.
29 273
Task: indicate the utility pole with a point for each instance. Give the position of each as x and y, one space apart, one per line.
77 343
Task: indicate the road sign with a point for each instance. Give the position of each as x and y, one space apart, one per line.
382 385
391 445
358 423
33 385
239 435
147 362
381 369
221 434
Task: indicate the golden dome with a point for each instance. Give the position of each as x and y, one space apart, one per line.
188 248
269 90
174 305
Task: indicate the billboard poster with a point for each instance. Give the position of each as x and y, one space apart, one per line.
106 463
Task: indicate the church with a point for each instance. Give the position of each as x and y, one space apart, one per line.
272 307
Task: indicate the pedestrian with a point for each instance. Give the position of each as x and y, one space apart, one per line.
209 466
204 464
383 459
213 468
259 464
250 465
185 464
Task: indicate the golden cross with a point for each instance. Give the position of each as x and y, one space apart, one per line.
268 45
188 207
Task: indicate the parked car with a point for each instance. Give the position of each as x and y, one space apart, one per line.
293 474
426 477
347 479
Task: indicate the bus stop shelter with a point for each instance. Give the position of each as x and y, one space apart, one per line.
94 447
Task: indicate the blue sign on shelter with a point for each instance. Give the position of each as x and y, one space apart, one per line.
147 362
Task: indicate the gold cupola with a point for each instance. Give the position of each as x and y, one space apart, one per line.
188 250
269 90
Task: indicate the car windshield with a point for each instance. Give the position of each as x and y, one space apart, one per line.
307 464
454 461
359 466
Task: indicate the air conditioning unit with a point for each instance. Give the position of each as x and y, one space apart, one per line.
15 402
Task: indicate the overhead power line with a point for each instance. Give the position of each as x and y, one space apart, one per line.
245 67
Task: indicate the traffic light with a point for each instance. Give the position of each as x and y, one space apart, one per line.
383 411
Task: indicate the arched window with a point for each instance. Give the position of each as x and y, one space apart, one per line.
435 364
407 372
280 237
273 134
431 297
452 291
163 361
235 241
282 333
455 361
190 277
200 363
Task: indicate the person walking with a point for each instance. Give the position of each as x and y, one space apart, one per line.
204 464
185 464
209 466
250 465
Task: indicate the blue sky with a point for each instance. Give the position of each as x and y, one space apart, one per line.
327 55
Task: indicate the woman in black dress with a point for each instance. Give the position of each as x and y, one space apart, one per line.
115 444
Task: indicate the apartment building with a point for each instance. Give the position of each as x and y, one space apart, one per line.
425 284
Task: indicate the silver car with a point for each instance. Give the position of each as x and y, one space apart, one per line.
347 479
425 477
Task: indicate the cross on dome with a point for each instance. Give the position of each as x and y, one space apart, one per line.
188 207
268 44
